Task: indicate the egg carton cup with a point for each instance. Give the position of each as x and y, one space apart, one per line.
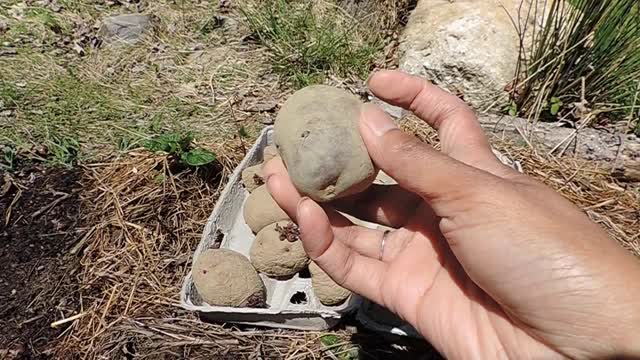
291 303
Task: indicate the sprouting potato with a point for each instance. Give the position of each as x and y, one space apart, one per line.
277 251
317 136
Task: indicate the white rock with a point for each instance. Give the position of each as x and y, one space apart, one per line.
469 47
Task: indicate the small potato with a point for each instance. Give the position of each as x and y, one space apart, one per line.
261 210
252 177
317 136
327 291
269 153
277 251
226 278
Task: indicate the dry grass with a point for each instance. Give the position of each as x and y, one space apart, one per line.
144 219
613 205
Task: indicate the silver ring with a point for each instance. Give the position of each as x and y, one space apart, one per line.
384 240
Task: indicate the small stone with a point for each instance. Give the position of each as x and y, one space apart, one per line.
126 29
78 49
8 52
55 7
263 106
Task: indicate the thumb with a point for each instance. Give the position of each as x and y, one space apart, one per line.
415 165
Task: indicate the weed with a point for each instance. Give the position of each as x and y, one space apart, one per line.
63 151
179 145
329 340
556 106
9 95
307 43
339 350
9 156
243 132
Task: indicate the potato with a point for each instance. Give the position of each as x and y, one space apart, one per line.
252 177
327 291
226 278
261 210
277 251
316 133
269 153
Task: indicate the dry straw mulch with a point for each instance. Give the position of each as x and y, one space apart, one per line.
145 218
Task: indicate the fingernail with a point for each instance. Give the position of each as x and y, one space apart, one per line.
267 178
376 120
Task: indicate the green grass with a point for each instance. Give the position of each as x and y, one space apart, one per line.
591 59
63 108
70 113
307 42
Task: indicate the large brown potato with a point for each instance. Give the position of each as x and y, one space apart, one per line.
277 251
261 210
226 278
327 291
316 133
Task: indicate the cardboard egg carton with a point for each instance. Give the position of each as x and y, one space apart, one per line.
290 303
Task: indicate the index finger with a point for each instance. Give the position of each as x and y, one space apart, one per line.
460 132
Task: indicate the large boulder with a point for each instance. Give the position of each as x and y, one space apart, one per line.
469 47
124 29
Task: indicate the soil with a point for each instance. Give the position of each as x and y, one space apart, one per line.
40 211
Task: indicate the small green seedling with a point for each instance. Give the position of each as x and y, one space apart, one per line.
556 106
180 146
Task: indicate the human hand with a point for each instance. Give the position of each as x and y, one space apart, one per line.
483 261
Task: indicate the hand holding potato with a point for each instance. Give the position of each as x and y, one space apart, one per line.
484 262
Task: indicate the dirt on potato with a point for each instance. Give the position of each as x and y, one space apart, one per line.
40 218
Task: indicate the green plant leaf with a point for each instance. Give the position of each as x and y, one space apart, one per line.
171 143
329 340
555 109
351 354
198 157
513 109
243 132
